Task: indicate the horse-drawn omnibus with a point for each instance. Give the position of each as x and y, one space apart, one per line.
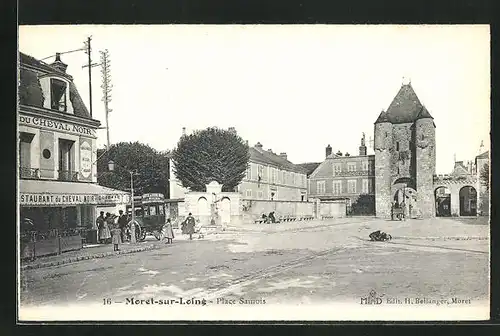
149 215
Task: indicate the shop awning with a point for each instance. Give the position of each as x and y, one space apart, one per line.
55 193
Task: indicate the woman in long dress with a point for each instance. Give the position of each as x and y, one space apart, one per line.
105 233
167 232
116 239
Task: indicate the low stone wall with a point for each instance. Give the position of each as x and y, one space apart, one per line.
253 210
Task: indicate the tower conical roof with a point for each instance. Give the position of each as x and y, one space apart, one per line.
424 114
382 118
405 107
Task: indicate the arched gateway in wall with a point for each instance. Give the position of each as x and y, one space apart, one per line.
468 201
455 195
442 197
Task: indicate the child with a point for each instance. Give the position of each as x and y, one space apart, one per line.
116 233
167 232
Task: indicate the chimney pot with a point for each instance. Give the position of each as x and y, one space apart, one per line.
58 64
258 145
328 151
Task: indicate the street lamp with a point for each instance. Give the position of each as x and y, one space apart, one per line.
111 167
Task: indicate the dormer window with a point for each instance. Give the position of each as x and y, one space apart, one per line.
58 92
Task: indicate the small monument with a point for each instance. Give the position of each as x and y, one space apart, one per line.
214 189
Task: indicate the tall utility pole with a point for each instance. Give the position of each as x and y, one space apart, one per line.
90 65
106 86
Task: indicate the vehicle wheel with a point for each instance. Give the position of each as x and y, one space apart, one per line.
142 234
157 234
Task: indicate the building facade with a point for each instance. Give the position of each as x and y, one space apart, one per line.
57 152
271 176
346 177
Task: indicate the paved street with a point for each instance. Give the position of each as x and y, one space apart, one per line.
323 262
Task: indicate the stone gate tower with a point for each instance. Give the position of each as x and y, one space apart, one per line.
405 156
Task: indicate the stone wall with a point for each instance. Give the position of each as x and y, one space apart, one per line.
383 146
254 209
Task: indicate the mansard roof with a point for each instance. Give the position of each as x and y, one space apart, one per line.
267 157
30 90
406 107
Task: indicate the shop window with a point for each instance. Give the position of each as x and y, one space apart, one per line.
58 94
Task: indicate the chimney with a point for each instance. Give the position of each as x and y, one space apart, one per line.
328 151
232 130
284 156
246 141
183 131
339 153
258 145
270 150
362 148
58 64
347 154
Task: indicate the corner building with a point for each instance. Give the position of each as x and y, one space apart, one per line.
405 157
58 190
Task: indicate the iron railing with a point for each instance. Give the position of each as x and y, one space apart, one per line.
29 173
67 175
32 236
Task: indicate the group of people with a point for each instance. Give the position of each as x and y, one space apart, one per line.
269 218
112 228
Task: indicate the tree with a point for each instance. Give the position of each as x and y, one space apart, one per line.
152 166
484 176
210 155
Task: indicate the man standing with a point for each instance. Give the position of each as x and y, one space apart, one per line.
190 224
122 223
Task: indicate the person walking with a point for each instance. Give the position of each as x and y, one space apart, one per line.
167 232
122 224
190 224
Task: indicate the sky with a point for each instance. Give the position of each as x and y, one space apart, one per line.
293 88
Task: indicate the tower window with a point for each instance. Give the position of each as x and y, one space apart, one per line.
397 146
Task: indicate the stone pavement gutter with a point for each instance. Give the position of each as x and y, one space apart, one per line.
88 256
